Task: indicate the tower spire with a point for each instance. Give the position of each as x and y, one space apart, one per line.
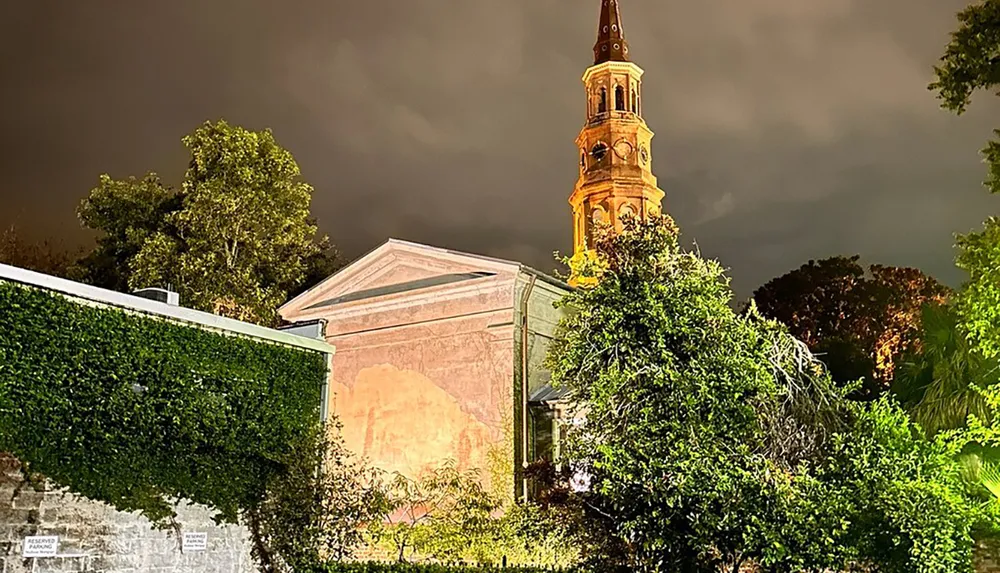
611 45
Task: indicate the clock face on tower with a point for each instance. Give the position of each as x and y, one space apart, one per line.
623 149
599 150
644 154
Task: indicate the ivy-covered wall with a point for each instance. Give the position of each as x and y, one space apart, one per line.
138 411
131 409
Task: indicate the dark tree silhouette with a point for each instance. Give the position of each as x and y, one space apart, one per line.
860 321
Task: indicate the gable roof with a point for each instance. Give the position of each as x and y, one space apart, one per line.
398 266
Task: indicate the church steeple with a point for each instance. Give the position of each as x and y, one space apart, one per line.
616 180
611 45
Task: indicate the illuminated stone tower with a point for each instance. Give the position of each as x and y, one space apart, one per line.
616 178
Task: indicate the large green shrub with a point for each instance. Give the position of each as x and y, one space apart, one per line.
138 412
713 441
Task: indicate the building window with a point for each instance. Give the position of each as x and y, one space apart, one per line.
635 101
602 103
619 98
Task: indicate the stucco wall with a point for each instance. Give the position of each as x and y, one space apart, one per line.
421 381
113 541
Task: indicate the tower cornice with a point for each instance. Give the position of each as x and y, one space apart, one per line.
612 67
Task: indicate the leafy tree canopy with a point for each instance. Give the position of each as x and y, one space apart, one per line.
236 238
860 321
715 440
971 63
979 300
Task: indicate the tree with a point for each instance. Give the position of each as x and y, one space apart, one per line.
42 257
317 510
971 63
128 213
716 440
979 300
669 378
860 322
446 515
236 238
940 384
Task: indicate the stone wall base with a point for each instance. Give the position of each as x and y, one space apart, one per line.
95 537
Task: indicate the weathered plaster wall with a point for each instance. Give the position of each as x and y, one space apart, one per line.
428 378
113 541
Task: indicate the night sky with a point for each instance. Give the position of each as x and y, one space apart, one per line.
786 129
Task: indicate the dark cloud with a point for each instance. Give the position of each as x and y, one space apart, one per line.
786 130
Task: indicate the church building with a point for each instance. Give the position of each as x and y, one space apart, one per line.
439 352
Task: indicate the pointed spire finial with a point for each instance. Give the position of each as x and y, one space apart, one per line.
611 45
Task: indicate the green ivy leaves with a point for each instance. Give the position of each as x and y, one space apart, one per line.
139 412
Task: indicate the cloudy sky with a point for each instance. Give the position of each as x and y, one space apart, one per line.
785 129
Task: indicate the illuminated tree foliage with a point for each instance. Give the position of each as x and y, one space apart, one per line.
714 440
236 238
971 63
860 323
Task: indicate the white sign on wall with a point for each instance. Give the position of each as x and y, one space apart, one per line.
40 546
194 542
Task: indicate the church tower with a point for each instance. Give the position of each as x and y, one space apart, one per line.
616 178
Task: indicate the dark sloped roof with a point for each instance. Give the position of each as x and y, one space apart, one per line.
548 393
401 287
611 45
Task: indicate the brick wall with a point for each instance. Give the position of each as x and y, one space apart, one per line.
110 541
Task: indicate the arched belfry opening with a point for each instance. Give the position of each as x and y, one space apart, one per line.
619 98
602 103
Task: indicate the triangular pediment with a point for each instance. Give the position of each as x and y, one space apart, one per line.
396 267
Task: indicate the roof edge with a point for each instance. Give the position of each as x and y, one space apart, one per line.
91 293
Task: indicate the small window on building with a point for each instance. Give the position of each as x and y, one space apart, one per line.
602 103
635 101
619 98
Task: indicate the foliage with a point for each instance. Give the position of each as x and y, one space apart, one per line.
669 376
138 412
979 301
861 323
41 257
447 516
712 440
128 213
235 238
797 425
887 496
971 62
318 509
438 513
939 385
